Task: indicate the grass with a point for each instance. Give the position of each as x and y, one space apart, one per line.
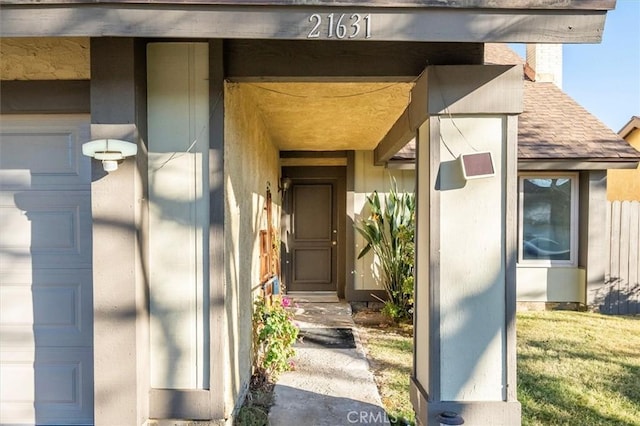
390 353
573 368
255 409
578 368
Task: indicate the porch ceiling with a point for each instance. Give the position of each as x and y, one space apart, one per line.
328 116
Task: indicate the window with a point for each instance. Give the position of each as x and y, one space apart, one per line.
548 219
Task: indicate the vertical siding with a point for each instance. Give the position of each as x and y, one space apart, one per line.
621 291
178 113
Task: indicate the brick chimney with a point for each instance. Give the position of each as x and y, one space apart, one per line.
545 60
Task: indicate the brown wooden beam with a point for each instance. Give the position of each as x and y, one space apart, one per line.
280 60
44 97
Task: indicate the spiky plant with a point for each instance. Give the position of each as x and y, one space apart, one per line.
389 233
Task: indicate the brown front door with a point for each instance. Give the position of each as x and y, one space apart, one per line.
314 237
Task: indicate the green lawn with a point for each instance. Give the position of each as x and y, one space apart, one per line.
574 368
578 368
390 353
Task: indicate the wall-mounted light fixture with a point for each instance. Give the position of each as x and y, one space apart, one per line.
109 151
285 184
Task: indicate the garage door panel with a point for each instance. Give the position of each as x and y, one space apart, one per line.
46 294
51 308
57 379
45 229
45 156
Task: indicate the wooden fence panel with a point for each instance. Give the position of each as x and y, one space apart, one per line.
621 291
634 260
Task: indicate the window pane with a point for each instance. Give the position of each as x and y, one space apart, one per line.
546 219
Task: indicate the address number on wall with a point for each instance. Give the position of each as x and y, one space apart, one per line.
342 26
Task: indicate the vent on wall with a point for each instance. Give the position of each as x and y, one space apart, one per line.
477 165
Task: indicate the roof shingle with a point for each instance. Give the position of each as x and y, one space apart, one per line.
553 126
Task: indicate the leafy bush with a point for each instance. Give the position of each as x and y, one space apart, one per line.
274 334
389 233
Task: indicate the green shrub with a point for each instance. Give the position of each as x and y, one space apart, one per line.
274 334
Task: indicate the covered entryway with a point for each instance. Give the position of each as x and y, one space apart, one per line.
46 309
358 61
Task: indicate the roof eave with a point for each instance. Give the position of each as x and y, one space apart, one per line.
457 4
632 124
508 21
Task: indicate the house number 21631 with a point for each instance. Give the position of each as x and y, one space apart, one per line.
340 26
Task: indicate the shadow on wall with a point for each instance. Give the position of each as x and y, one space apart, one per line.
240 285
57 252
617 297
454 180
174 316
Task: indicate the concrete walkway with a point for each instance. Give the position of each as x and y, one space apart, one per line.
329 386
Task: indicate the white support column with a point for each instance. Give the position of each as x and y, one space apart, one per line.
465 292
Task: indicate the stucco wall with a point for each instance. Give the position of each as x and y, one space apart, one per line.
634 139
251 163
369 178
624 185
64 58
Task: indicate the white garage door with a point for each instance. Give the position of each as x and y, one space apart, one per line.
46 313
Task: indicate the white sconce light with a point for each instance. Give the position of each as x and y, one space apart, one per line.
109 151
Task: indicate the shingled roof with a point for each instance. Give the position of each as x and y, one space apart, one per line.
553 126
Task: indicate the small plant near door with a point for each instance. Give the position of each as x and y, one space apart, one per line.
274 334
389 233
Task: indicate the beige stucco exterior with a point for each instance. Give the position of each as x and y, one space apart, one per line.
64 58
251 167
314 116
624 185
634 138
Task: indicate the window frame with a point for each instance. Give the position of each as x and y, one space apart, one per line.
574 224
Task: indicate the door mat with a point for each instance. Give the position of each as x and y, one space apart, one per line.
327 338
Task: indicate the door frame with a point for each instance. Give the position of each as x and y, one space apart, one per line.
337 175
